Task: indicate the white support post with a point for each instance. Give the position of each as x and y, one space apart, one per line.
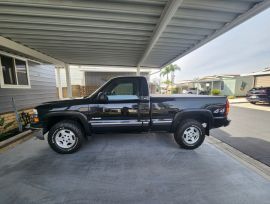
68 79
60 90
138 73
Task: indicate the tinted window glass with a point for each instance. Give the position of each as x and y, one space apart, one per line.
122 90
8 70
21 72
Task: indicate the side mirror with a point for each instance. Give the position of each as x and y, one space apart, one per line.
102 97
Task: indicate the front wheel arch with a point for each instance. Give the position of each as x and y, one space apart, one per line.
71 139
52 118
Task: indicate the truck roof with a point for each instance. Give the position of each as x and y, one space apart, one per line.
119 77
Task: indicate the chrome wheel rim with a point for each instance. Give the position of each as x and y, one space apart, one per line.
65 138
191 135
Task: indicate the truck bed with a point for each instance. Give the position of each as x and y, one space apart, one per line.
182 101
183 96
165 107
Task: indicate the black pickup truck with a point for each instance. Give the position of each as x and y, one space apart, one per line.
123 104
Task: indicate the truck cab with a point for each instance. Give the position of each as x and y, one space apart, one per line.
122 104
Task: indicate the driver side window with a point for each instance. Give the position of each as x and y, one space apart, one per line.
124 90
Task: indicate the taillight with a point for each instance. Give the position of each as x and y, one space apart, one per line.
227 108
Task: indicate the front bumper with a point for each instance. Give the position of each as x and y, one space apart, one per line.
39 133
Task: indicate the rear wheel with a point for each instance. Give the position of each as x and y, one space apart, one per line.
66 137
253 102
190 134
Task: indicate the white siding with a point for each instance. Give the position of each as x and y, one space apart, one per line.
43 88
262 81
76 75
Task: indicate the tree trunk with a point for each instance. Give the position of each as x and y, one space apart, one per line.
167 83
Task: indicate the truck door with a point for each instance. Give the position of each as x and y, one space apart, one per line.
120 110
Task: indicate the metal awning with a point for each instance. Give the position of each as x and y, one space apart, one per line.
145 33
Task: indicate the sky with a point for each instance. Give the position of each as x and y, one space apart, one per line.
244 49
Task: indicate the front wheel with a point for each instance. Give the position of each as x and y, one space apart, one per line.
190 134
66 137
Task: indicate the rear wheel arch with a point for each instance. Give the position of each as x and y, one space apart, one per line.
190 134
202 116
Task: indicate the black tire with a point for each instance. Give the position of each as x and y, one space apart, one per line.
181 137
253 103
74 132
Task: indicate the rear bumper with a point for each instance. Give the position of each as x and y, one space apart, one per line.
227 122
221 122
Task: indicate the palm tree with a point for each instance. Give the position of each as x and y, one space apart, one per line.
170 69
173 69
165 72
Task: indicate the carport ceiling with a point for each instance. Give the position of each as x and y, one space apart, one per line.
146 33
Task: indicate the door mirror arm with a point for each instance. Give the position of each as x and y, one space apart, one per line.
102 97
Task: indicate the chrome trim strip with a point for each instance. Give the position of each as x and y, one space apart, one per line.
116 124
161 121
146 123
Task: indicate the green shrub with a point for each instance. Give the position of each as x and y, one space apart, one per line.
4 126
175 90
230 97
215 91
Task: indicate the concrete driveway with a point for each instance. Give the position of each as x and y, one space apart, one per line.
243 103
249 132
258 106
127 168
